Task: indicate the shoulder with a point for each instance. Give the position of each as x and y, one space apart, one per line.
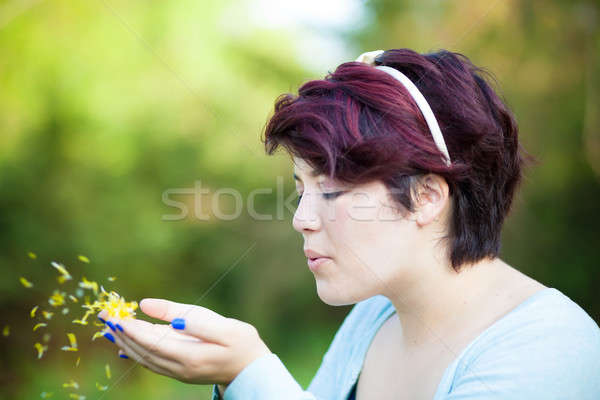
547 346
548 316
548 312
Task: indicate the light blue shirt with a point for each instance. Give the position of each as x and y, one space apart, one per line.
546 348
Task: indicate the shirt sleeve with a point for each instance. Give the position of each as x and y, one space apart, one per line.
558 358
265 378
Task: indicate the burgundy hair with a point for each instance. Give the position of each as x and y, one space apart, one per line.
360 124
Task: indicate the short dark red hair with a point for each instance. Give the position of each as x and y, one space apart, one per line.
360 124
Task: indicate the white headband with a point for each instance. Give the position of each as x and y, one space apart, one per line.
434 128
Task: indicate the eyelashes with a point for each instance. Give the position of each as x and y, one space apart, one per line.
326 196
332 195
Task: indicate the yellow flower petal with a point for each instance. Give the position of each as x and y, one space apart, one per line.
39 325
47 314
115 305
85 284
87 315
33 310
25 282
32 255
62 270
71 384
77 362
100 387
73 298
76 396
41 349
112 278
72 343
107 370
57 299
80 322
83 259
97 335
72 339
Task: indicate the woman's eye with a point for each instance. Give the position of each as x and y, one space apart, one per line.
326 196
332 195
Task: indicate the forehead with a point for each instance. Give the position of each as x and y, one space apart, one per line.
301 167
300 164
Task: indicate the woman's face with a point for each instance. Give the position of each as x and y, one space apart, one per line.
367 243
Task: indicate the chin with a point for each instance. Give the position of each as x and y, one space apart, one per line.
332 297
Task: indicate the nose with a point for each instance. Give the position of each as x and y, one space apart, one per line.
306 217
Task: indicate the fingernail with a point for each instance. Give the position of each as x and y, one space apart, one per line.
109 336
178 323
111 326
123 355
103 321
119 327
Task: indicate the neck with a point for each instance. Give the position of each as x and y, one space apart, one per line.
438 300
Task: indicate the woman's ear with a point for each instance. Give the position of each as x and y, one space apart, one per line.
431 198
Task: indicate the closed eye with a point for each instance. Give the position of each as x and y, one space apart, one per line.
332 195
326 196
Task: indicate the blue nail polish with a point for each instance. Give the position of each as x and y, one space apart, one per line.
178 323
103 321
109 336
119 327
111 326
123 355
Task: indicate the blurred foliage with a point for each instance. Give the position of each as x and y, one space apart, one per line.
105 105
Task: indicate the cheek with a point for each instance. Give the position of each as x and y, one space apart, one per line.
358 234
369 234
360 217
360 209
353 222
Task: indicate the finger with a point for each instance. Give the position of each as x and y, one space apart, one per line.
122 354
150 346
158 339
102 315
134 327
189 354
190 319
168 310
163 330
144 356
138 325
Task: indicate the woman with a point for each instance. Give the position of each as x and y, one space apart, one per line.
406 166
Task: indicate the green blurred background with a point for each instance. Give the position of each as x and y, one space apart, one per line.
106 104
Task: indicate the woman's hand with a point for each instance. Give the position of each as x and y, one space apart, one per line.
200 346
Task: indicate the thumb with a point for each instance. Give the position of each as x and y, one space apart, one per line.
189 319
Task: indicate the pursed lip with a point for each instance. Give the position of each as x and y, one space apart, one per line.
309 253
